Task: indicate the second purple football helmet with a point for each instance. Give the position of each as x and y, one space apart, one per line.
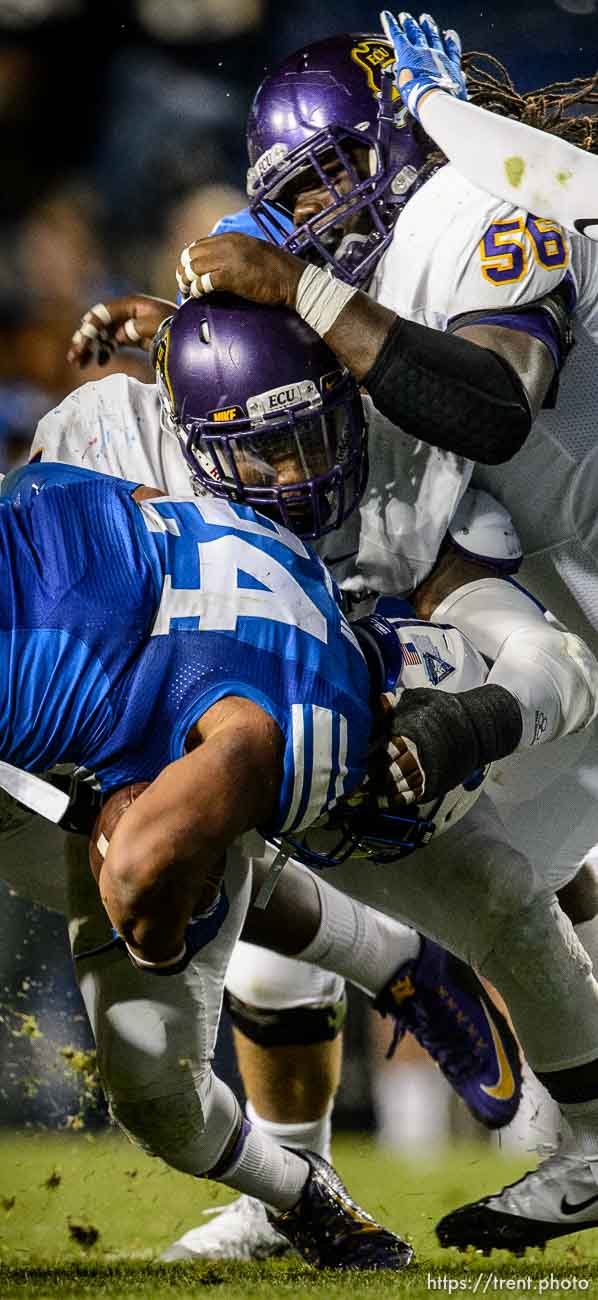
332 107
264 411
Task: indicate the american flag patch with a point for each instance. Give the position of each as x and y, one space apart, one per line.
410 654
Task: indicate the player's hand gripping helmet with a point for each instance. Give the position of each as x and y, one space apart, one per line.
333 107
402 654
264 412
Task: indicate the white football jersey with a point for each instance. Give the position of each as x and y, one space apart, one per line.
390 544
551 486
113 426
457 249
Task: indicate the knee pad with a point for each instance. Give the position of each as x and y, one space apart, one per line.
161 1126
270 982
287 1027
189 1129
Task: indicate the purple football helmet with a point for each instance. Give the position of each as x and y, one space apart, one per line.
265 413
334 103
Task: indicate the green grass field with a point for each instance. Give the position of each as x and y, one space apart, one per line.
88 1216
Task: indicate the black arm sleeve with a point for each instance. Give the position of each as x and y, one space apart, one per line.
450 393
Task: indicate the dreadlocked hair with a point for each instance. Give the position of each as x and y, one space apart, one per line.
560 108
556 108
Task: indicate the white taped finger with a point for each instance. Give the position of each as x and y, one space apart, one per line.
205 280
393 697
408 797
196 289
183 285
412 747
131 331
186 256
77 338
88 330
101 310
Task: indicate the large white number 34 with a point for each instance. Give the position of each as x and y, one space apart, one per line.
221 601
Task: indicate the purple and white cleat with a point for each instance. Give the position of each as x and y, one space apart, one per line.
440 1000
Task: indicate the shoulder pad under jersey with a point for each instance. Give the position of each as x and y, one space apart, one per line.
482 528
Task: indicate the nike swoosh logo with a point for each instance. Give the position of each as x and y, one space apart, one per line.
566 1208
585 223
504 1087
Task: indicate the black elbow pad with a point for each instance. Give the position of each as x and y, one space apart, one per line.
450 393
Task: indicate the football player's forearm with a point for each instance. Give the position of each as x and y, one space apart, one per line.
151 916
449 391
155 867
554 678
516 162
172 840
359 333
472 392
550 672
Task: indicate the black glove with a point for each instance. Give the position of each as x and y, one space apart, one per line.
454 736
85 800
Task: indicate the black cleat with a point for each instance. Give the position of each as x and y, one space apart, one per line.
487 1230
329 1230
557 1198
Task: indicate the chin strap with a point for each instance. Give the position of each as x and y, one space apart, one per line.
269 884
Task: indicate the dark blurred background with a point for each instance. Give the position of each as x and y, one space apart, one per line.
122 139
121 126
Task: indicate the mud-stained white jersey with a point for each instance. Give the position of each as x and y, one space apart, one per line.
551 486
457 249
113 426
584 272
390 544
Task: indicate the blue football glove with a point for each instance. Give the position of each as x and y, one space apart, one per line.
432 57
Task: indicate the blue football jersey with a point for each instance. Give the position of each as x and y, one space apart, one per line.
121 623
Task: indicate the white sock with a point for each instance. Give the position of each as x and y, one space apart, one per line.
582 1118
587 933
264 1170
314 1135
353 940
